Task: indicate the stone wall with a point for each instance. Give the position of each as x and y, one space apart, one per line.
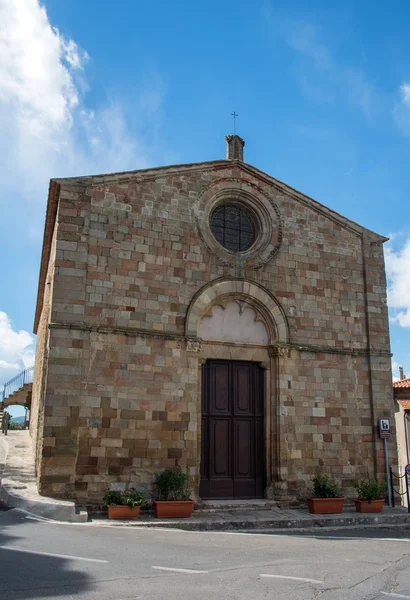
327 421
123 395
41 358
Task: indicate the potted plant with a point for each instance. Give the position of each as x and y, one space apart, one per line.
125 505
370 496
327 496
172 494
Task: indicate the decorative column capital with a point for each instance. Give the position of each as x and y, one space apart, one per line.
193 345
280 351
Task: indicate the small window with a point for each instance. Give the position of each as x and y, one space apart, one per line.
233 227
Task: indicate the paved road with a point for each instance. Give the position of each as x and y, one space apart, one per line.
48 561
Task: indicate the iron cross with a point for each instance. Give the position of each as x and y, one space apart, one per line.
234 114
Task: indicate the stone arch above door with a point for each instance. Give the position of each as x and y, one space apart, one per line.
253 294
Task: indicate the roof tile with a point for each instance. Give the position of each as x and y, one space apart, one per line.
402 383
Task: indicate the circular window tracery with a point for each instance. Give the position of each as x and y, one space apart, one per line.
233 226
264 215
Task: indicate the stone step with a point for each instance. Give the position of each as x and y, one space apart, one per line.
20 396
215 506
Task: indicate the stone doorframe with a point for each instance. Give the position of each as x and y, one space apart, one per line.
269 357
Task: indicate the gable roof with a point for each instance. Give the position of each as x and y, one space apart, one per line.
150 173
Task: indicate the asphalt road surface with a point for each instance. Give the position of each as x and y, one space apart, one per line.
50 561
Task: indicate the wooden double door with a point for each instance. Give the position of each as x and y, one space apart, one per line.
232 442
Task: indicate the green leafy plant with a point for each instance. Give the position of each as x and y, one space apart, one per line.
15 426
325 486
172 484
134 498
113 499
370 489
130 498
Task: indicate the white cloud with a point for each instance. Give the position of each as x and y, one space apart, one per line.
46 128
16 349
303 38
398 274
37 93
405 90
401 110
395 370
329 78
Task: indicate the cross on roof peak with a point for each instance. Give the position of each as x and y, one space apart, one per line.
234 115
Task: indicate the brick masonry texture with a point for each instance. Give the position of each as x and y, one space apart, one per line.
116 395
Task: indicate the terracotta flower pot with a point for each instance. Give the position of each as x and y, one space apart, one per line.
173 509
325 506
364 506
123 512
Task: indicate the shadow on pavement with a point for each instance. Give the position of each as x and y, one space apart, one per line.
25 574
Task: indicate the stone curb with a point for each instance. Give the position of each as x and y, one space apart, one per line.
264 524
63 510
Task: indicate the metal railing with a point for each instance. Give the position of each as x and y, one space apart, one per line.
17 382
9 388
406 478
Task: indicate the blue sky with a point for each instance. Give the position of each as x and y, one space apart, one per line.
322 92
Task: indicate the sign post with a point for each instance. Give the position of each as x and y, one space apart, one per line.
385 432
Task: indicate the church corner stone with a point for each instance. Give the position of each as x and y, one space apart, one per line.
139 306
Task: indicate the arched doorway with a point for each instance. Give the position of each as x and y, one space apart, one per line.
237 327
17 415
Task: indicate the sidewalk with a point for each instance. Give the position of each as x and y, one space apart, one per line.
18 490
273 519
18 487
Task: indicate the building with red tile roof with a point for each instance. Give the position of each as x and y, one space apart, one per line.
401 391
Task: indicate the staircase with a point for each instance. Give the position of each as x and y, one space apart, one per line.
17 391
20 396
222 506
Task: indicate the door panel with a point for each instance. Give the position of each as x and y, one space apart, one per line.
232 444
222 444
219 401
243 447
242 392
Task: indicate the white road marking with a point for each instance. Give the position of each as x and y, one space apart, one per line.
14 549
355 538
288 577
392 595
179 570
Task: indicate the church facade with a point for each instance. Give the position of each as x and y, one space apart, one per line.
210 316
